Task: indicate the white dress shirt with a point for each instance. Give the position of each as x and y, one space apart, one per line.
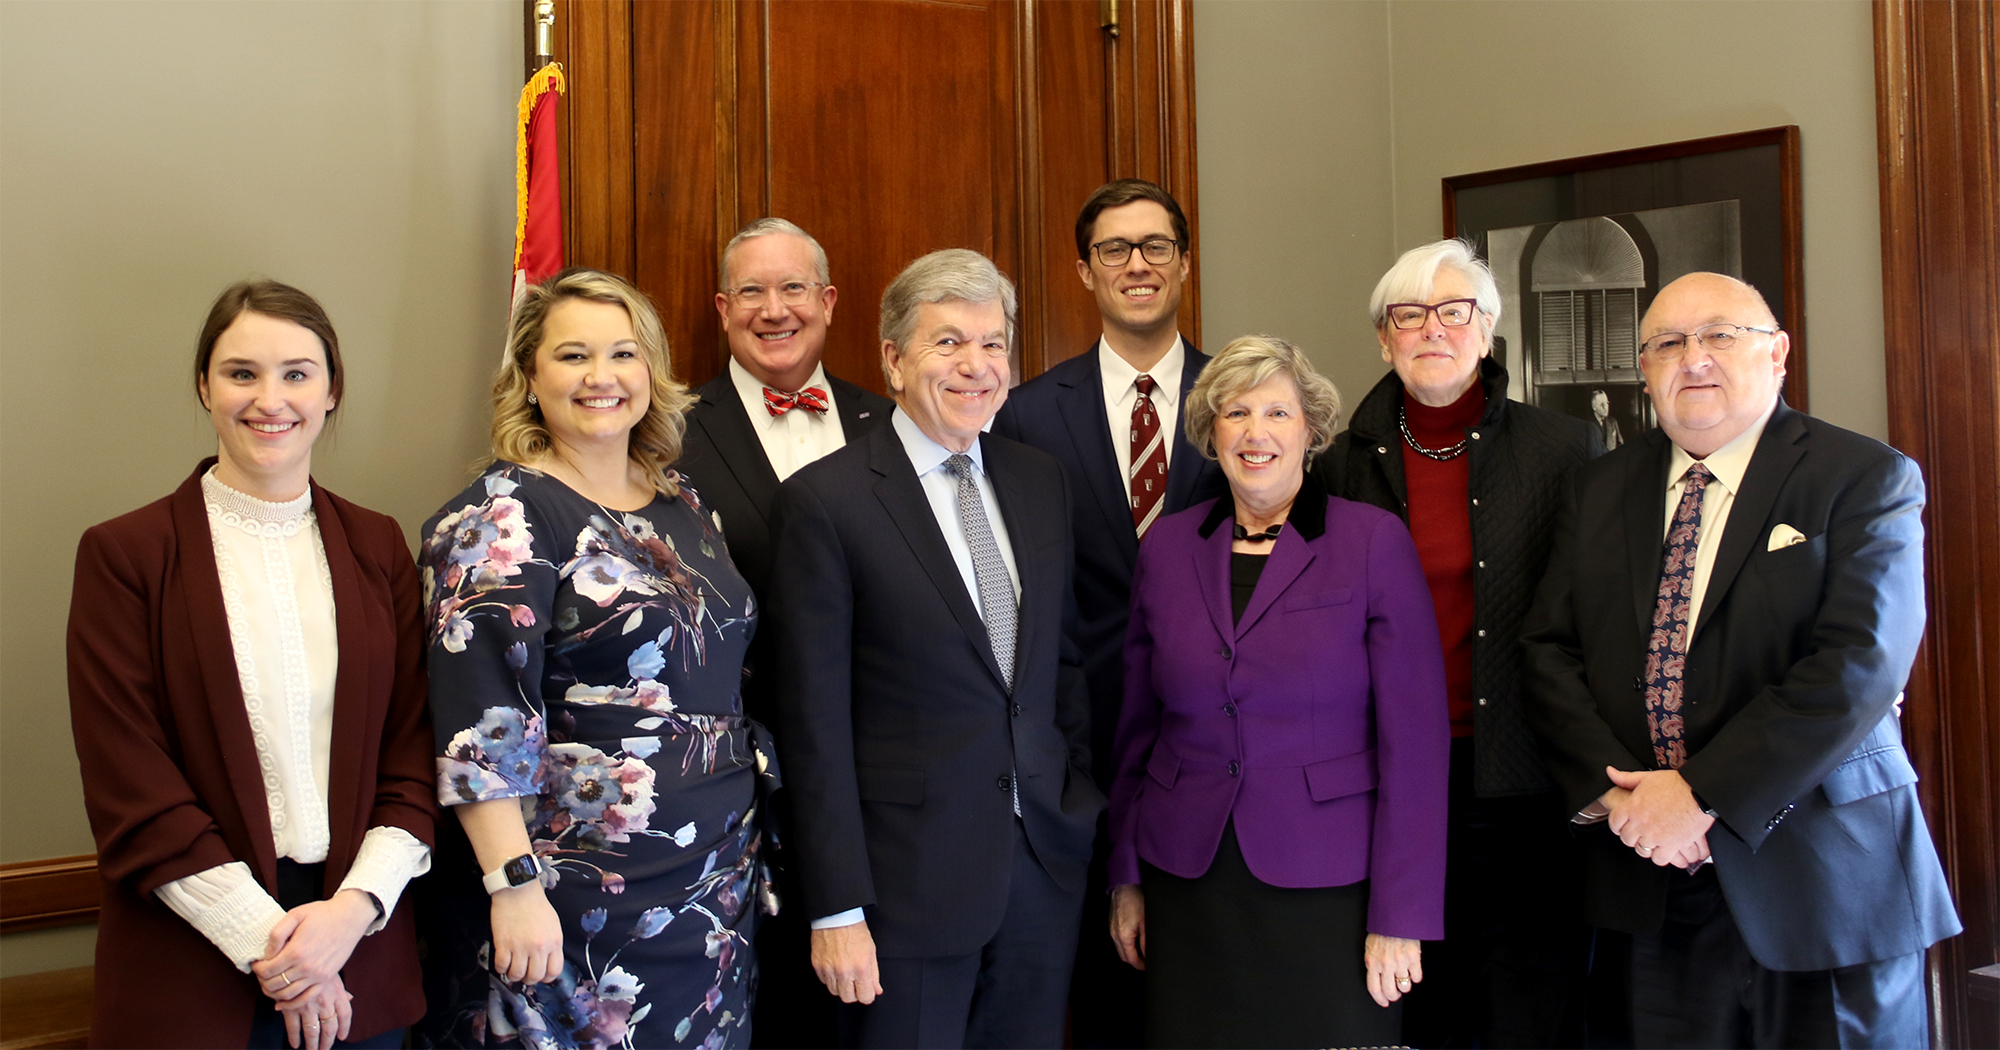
941 488
1121 392
796 438
1728 463
278 595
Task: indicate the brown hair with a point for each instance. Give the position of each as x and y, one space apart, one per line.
1121 192
519 435
272 299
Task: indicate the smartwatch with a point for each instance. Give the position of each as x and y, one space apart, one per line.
519 871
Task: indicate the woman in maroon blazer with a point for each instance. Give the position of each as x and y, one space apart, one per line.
1278 817
249 713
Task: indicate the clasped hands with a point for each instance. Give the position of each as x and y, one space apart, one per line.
302 962
1654 812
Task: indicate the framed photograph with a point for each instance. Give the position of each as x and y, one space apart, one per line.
1580 247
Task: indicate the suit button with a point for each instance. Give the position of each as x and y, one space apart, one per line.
1482 564
1003 783
1482 632
1225 652
1017 710
1638 683
1482 701
1235 769
1475 501
1383 449
1229 709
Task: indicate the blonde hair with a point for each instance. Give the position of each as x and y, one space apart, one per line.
1245 364
519 435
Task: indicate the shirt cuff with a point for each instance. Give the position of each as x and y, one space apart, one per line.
386 862
846 918
227 906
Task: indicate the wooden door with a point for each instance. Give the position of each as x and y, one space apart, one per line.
887 128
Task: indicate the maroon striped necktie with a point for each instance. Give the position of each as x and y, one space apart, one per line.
1148 481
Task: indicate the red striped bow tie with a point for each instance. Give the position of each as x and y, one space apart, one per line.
811 397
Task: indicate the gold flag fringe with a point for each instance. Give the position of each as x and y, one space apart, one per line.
546 79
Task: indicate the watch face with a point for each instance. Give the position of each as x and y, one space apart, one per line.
521 870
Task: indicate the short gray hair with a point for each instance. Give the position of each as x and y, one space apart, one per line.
1414 275
952 274
765 227
1245 364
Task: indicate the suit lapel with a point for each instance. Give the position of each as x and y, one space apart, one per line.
721 416
902 497
350 683
207 622
1185 464
1645 527
854 415
1211 571
1081 403
1288 559
1777 453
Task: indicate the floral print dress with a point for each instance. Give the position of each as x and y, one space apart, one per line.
589 662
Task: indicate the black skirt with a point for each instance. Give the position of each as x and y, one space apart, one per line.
1235 962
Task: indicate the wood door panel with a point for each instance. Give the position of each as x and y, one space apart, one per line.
888 128
886 118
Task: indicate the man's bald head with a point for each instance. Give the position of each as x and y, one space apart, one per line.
1705 398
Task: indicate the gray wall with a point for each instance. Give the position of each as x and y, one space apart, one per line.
1325 129
151 153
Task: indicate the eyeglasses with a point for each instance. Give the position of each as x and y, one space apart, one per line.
791 293
1452 313
1159 251
1718 338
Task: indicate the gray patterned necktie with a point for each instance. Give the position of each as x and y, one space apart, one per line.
997 606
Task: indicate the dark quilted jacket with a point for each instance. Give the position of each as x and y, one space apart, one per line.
1520 455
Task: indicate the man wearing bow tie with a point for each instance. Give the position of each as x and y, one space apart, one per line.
1713 660
772 411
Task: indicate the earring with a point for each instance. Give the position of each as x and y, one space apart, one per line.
533 400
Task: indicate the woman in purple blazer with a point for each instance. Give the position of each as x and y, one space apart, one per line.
1278 819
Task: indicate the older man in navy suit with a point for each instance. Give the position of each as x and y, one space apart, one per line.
934 725
1111 416
1713 660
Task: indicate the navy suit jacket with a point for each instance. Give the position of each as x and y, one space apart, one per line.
1797 658
900 741
1061 412
722 460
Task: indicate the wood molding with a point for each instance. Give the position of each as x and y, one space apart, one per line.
594 44
56 891
46 1010
1938 126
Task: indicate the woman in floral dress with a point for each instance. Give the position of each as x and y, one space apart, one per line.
587 632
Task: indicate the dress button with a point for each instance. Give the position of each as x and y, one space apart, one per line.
1383 449
1475 502
1225 652
1003 783
1482 564
1475 435
1482 701
1235 769
1482 634
1229 709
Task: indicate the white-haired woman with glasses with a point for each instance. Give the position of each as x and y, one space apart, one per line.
1477 477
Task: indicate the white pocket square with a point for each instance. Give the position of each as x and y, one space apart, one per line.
1784 536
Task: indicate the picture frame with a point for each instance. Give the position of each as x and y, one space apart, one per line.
1580 246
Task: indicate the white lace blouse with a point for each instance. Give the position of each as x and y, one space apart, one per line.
278 594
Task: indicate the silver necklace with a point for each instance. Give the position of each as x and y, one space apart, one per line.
1439 454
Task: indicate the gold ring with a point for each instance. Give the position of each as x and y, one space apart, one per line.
287 975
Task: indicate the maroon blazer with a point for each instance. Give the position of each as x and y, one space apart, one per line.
170 773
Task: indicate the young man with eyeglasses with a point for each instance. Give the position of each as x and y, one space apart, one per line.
1714 662
772 411
1111 416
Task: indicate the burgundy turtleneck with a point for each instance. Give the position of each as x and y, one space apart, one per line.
1441 525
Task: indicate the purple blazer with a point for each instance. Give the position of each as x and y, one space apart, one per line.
1318 722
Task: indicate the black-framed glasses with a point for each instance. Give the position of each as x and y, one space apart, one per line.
1452 313
791 293
1718 338
1115 252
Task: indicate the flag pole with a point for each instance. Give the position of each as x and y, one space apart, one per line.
545 32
